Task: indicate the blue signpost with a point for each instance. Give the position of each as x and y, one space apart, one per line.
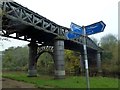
76 28
77 31
95 28
72 35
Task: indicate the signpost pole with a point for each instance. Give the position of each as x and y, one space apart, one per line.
77 31
86 60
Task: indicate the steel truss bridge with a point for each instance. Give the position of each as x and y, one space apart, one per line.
29 26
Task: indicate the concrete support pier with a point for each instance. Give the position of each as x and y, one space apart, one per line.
32 71
99 63
82 70
59 59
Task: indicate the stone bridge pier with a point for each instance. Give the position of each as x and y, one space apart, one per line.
59 58
94 62
32 71
99 67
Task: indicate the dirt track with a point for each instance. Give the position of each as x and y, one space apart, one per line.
8 83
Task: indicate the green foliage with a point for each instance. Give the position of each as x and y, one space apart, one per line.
72 61
110 55
45 64
108 39
15 58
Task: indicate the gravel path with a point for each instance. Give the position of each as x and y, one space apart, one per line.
8 83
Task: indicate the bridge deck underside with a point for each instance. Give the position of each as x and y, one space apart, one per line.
71 45
12 26
44 38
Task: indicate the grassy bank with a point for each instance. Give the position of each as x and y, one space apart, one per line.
68 82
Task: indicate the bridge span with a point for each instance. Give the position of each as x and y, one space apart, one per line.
41 32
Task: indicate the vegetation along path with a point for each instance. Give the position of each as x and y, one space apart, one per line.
43 81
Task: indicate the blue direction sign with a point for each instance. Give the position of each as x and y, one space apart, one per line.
76 28
95 28
72 35
77 31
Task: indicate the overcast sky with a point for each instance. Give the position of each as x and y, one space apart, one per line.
81 12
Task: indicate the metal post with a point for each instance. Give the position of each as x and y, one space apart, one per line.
86 60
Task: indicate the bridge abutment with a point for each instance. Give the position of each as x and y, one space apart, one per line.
32 71
59 59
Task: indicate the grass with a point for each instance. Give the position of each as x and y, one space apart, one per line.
69 82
